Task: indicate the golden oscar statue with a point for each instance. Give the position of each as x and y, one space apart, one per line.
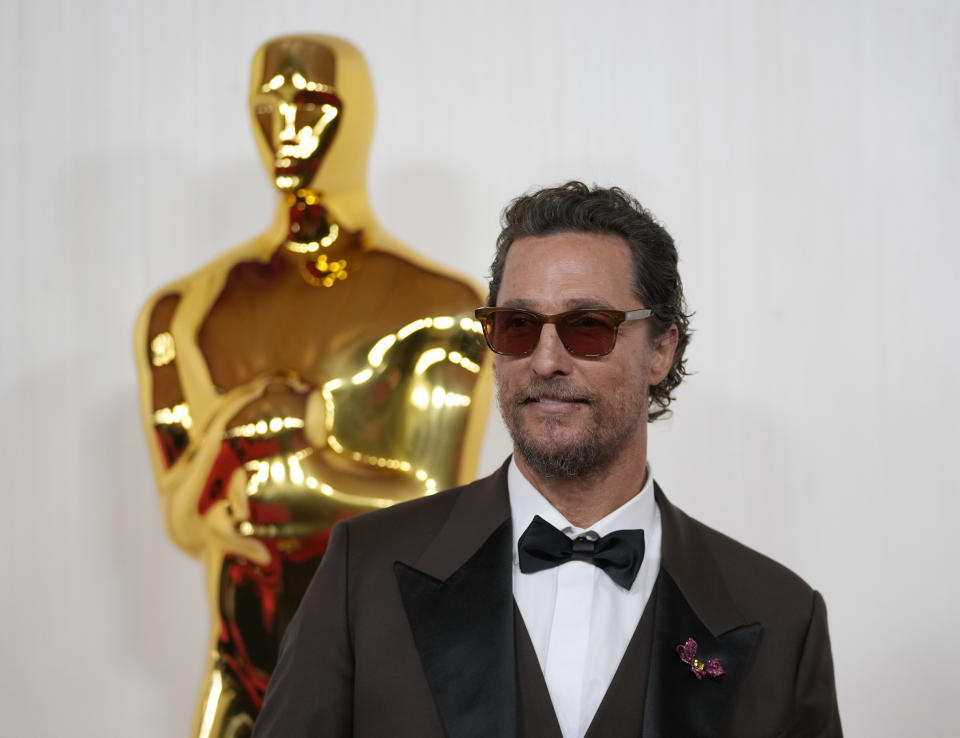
315 372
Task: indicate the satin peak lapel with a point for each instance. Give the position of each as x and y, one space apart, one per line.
463 629
677 703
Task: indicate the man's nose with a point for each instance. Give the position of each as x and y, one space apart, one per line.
550 357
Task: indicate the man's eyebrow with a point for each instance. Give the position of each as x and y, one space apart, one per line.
573 303
582 303
519 304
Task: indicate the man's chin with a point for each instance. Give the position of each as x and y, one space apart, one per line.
556 461
552 434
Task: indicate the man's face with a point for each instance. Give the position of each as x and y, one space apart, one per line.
570 416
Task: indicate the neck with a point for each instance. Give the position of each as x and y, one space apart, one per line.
586 499
343 203
306 222
315 235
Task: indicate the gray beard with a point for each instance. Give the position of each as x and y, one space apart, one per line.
588 456
585 459
566 464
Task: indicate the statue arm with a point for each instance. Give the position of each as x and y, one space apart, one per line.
183 454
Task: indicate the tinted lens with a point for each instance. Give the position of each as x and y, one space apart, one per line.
583 332
587 333
512 332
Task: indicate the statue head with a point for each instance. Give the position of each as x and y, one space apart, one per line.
311 101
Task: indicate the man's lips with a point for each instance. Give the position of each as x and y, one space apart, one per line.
554 403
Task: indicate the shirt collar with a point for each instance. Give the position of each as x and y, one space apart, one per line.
640 511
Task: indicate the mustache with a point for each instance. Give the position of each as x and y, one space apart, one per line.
552 389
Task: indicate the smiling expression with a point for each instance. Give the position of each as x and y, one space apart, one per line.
571 416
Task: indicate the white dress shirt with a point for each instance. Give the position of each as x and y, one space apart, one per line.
579 619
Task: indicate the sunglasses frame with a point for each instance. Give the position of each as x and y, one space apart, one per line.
618 316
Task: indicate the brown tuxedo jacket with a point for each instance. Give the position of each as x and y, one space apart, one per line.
409 629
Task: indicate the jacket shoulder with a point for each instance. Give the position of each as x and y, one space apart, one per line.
737 560
759 586
404 530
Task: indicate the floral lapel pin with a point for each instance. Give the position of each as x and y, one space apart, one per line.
688 654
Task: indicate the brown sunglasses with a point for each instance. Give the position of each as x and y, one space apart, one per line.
589 332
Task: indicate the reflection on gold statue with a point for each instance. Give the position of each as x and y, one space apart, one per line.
313 373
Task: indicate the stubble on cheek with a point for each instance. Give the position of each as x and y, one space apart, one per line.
566 445
561 445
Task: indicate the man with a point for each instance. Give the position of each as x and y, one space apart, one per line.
563 595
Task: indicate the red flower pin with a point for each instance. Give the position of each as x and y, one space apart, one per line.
688 654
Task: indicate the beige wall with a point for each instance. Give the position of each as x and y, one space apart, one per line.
804 154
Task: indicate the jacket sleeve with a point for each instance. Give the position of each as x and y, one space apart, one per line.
311 690
816 714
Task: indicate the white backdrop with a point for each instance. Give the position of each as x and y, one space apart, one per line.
803 153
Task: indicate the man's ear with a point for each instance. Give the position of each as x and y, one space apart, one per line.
664 347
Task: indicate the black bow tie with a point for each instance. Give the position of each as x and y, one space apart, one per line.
619 553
